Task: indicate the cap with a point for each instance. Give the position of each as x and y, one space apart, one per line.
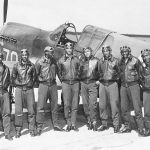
106 47
23 51
88 48
69 45
145 52
125 48
48 48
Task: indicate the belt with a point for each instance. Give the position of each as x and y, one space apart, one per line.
107 83
127 84
88 81
48 83
24 88
70 81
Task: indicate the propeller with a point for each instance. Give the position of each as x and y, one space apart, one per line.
5 11
5 6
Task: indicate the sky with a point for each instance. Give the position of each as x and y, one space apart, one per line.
123 16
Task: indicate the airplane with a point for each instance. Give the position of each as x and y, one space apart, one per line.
96 38
16 36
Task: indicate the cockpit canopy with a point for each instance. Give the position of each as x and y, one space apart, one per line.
93 37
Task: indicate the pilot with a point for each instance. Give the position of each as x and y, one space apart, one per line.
69 66
5 104
47 69
89 76
145 55
23 78
108 69
130 74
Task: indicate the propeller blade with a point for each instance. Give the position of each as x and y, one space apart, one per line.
5 10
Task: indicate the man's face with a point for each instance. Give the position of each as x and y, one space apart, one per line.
49 54
87 53
25 57
106 53
146 59
69 50
125 54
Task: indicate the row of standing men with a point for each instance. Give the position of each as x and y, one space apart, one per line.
115 78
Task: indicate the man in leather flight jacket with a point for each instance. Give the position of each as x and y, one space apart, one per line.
47 69
69 73
23 78
108 69
145 54
5 104
130 75
89 76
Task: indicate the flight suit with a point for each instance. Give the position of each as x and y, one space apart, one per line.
130 75
69 74
46 75
89 76
146 94
23 78
5 104
108 70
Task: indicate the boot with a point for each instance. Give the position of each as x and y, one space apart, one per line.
39 129
147 132
32 133
73 127
90 125
116 129
68 129
94 126
58 128
125 129
18 132
103 127
8 137
141 132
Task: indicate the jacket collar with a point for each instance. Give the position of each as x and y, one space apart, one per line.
90 58
67 56
46 60
23 64
129 59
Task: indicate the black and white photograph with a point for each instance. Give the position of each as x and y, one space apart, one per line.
74 74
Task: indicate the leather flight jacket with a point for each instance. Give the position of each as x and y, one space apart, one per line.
4 78
46 70
69 67
108 70
130 72
145 77
89 70
23 75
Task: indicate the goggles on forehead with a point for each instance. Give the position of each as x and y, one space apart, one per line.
49 48
88 48
69 45
24 51
145 52
106 48
125 48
